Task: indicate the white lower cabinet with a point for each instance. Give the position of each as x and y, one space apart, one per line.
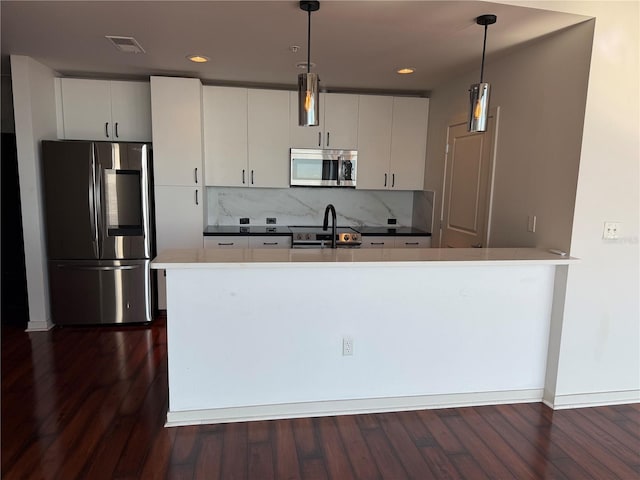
179 219
270 242
412 242
226 241
396 242
247 241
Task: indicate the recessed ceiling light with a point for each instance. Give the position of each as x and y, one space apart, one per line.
198 58
405 70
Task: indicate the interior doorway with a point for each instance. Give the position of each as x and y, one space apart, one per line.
468 185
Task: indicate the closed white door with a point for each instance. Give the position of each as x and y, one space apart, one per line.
374 141
268 133
225 136
466 195
131 111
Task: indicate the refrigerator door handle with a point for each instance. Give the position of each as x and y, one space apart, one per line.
98 202
93 212
98 268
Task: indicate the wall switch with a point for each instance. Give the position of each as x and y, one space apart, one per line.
391 221
611 230
531 224
271 221
347 346
244 220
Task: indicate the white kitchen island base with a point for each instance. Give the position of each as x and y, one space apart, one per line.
257 339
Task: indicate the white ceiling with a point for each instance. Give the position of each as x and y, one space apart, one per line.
355 44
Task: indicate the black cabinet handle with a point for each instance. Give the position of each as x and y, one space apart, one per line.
195 173
197 198
327 139
270 243
377 243
385 179
225 244
106 129
116 129
251 177
243 176
393 180
319 139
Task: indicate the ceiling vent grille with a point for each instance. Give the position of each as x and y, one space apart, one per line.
126 44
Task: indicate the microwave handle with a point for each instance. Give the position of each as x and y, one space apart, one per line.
340 169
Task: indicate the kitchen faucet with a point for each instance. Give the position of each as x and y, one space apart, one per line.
325 223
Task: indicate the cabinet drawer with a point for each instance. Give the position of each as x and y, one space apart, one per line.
377 242
269 242
226 241
413 242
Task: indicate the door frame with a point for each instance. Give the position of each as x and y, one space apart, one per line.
463 119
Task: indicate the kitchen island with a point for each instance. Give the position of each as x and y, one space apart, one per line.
262 333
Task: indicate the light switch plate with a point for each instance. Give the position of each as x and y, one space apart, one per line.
611 230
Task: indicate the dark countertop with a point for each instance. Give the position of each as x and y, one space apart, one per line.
391 231
254 230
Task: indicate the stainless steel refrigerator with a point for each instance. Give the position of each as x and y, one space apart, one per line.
99 228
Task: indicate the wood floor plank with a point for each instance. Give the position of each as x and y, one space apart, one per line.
286 457
468 467
336 460
259 431
234 452
305 434
440 432
360 457
384 455
314 469
261 462
209 462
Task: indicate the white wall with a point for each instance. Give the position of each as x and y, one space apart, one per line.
35 119
600 343
541 92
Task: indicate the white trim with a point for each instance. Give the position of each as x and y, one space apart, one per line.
38 326
597 399
349 407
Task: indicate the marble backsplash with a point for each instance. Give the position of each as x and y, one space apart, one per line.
305 206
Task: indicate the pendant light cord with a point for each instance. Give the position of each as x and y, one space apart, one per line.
309 41
484 46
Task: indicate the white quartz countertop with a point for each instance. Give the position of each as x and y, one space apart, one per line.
201 258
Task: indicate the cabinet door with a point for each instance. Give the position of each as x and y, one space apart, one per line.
413 242
225 136
268 135
374 141
378 242
179 221
270 242
86 109
226 241
176 105
305 137
131 111
340 120
409 143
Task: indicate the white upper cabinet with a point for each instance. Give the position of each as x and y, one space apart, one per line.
268 133
176 111
392 142
105 110
409 142
338 123
225 136
246 137
374 141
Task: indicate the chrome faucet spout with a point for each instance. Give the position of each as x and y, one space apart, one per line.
325 223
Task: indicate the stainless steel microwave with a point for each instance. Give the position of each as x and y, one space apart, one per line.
323 168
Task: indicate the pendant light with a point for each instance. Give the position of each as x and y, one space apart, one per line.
479 92
308 83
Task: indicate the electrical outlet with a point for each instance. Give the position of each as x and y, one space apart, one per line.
611 230
347 346
244 220
271 220
531 224
391 221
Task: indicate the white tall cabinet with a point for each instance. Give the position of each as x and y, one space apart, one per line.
392 142
246 135
107 110
338 123
176 112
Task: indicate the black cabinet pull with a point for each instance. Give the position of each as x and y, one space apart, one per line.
106 129
116 129
243 176
251 177
393 180
327 139
197 198
319 139
385 179
195 173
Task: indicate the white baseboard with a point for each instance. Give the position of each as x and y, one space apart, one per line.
38 326
597 399
348 407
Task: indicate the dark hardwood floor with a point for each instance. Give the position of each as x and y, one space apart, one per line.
91 403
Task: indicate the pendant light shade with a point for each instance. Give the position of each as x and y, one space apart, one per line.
479 92
308 83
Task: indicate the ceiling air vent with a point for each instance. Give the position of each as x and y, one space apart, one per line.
126 44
